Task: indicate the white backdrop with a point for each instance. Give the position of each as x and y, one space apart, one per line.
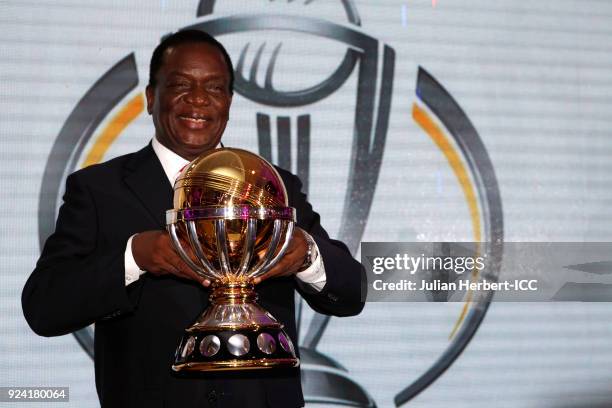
535 80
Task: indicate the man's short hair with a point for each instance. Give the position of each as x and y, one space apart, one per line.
187 37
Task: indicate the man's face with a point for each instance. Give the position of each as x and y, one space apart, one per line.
191 100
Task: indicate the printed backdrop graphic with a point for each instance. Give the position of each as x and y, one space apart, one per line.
406 121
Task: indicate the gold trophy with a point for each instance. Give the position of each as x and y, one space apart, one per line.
230 224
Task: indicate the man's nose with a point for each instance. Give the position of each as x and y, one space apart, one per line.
197 96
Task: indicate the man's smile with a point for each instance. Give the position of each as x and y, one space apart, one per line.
194 120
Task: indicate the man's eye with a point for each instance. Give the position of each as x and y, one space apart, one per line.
216 88
178 85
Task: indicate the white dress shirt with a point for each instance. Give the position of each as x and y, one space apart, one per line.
172 164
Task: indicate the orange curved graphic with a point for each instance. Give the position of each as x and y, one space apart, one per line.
454 160
113 129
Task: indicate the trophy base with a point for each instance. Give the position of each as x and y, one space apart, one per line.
236 365
212 350
234 333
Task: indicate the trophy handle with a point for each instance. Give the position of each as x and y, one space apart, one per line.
269 262
222 250
249 245
179 249
195 244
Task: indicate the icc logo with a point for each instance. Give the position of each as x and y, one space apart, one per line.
369 64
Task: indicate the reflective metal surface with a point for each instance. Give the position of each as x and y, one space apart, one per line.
189 346
266 343
229 177
238 345
285 343
227 365
210 345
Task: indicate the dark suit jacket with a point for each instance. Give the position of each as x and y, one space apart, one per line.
80 279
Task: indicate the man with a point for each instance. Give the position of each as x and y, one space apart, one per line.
111 262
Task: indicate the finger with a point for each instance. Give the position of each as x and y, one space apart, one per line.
288 265
274 271
171 269
187 269
187 248
160 266
191 274
175 265
280 269
188 274
168 247
160 270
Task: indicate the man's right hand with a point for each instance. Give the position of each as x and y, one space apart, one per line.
154 253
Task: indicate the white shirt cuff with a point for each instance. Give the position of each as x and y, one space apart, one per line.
132 271
314 275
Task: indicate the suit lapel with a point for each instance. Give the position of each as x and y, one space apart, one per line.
145 177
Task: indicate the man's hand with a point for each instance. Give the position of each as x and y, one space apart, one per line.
293 259
154 253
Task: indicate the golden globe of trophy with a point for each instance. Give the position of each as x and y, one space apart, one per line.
231 224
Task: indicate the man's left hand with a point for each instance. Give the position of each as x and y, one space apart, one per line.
293 258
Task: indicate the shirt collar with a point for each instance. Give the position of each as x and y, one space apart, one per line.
171 162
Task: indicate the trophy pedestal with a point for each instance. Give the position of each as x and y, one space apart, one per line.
234 333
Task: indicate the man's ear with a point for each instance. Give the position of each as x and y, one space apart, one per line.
150 94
